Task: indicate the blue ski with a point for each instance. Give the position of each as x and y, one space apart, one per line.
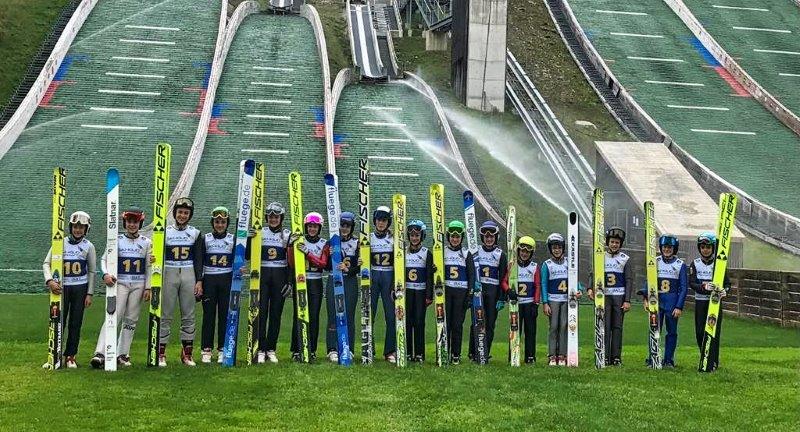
246 174
478 315
334 213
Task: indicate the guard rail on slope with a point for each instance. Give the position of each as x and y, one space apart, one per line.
564 157
423 88
310 13
227 30
23 114
435 16
765 98
756 218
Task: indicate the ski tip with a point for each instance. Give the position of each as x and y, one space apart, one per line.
330 179
112 179
165 144
573 218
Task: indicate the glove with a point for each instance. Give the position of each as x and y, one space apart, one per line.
286 291
500 305
512 295
467 304
251 232
303 248
293 237
428 302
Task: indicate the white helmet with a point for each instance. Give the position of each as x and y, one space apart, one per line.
80 217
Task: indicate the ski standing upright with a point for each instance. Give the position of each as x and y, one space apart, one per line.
437 217
727 213
256 224
399 210
112 236
572 290
246 172
652 286
367 351
478 315
56 326
301 290
160 197
598 279
513 284
334 214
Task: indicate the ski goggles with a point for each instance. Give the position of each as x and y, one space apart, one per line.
184 202
458 232
134 216
526 248
222 214
313 219
489 231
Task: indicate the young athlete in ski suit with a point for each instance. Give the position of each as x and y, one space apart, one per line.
618 283
350 268
672 288
183 270
311 246
275 281
529 293
77 280
216 249
554 296
382 276
701 273
493 269
459 279
135 256
419 289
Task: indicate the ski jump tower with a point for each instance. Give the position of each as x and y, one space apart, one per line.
479 53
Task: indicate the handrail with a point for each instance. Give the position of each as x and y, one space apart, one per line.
310 13
16 124
569 147
759 93
350 32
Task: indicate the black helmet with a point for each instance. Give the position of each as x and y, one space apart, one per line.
617 233
183 202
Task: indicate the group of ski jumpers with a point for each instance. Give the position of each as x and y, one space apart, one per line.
198 267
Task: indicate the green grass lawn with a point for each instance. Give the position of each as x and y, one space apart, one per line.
756 387
23 26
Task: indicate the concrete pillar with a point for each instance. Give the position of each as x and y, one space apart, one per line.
435 41
486 55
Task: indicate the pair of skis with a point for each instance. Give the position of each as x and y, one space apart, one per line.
478 312
247 170
56 323
399 211
727 213
256 225
334 214
513 285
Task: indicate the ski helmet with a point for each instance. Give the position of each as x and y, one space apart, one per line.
669 240
313 218
135 214
183 202
455 227
82 218
617 233
489 227
708 238
221 212
348 218
527 243
275 208
555 239
382 212
416 225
